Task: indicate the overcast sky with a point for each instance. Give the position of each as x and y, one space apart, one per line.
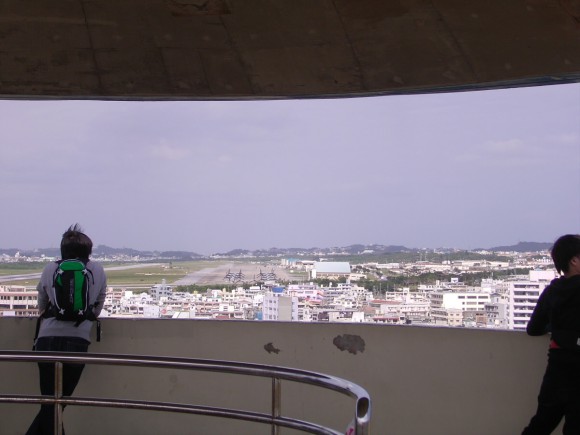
465 170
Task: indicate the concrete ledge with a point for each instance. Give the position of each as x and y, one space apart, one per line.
421 380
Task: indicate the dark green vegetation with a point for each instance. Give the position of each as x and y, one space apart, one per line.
194 288
412 257
391 257
394 282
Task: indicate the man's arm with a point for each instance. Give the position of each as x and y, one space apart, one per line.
539 323
41 288
101 299
101 283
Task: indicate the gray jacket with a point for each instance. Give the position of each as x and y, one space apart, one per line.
51 327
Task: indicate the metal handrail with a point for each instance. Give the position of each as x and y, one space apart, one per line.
361 416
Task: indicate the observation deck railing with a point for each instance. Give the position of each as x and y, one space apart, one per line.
361 415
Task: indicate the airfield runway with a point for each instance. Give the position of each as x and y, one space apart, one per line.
247 273
36 276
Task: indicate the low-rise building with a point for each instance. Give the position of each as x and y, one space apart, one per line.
158 291
18 300
447 316
330 269
279 306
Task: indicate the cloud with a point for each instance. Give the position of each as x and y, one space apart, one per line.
294 172
505 147
566 138
169 152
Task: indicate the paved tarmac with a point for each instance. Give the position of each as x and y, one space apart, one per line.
238 272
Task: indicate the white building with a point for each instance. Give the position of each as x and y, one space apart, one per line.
407 309
330 269
113 300
151 311
464 300
309 291
496 312
278 306
447 316
523 296
161 290
17 300
351 316
345 295
305 310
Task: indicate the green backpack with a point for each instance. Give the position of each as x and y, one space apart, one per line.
70 286
71 282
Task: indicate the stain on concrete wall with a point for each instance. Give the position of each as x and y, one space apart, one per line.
270 348
352 343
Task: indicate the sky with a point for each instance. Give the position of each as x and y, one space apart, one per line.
463 170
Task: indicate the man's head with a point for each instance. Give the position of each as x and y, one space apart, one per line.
566 254
75 244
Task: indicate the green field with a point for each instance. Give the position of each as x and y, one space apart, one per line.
36 267
20 268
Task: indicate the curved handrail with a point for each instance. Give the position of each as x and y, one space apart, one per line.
361 416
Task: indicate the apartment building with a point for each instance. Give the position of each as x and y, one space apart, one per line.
447 316
310 291
161 290
496 312
278 306
463 300
523 296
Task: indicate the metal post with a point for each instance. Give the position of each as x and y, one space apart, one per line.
276 403
57 396
363 410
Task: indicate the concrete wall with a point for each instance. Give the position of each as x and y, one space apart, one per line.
421 380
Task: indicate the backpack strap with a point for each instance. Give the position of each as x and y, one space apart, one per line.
37 330
98 330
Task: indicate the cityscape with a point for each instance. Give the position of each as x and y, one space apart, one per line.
495 289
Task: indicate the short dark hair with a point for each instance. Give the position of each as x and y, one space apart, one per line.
75 244
565 249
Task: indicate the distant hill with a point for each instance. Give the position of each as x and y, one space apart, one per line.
524 247
10 251
103 250
107 251
48 252
375 249
356 249
346 250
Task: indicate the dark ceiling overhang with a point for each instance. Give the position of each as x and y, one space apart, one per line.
253 49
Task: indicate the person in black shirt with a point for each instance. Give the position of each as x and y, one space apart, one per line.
558 312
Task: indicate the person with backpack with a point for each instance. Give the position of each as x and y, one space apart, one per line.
558 312
71 293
